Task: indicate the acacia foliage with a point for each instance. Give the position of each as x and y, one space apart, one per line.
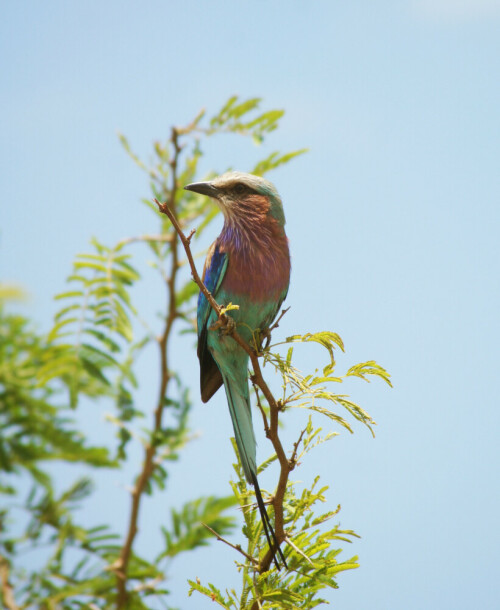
311 544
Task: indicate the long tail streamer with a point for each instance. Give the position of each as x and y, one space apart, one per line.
268 528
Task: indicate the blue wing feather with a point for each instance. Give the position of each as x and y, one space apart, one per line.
213 274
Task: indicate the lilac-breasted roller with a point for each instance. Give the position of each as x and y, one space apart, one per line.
247 265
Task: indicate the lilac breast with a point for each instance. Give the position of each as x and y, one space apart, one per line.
259 260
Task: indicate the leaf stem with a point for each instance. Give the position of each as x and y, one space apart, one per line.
236 547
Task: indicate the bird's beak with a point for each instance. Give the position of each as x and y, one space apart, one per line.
204 188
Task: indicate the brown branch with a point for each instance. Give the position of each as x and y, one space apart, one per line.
286 466
293 459
6 590
261 408
165 209
277 323
120 566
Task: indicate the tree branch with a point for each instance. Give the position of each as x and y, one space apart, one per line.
120 566
278 320
261 408
6 590
286 466
293 459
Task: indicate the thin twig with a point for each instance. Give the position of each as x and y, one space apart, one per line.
296 447
165 209
277 323
261 408
236 547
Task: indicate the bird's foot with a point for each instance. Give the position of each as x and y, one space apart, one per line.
229 327
225 328
261 336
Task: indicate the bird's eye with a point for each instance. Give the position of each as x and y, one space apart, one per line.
239 188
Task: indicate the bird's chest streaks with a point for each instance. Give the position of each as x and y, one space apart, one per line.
259 275
258 281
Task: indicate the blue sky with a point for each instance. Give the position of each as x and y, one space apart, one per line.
393 219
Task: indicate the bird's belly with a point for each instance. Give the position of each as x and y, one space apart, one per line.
250 315
230 357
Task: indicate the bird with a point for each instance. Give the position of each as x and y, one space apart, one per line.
248 265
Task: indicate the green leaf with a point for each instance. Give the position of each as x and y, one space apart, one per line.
188 291
211 592
369 368
57 327
93 370
70 293
188 531
274 160
327 339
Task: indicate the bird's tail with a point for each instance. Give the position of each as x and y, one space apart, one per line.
241 416
268 528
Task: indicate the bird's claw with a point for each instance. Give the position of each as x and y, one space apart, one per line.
261 336
226 328
266 336
229 327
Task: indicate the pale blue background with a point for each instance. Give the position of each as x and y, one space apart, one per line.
393 218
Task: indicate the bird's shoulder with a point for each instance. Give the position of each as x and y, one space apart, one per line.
215 265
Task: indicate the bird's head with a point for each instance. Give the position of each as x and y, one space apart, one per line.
237 193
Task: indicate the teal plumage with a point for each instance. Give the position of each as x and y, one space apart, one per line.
248 265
